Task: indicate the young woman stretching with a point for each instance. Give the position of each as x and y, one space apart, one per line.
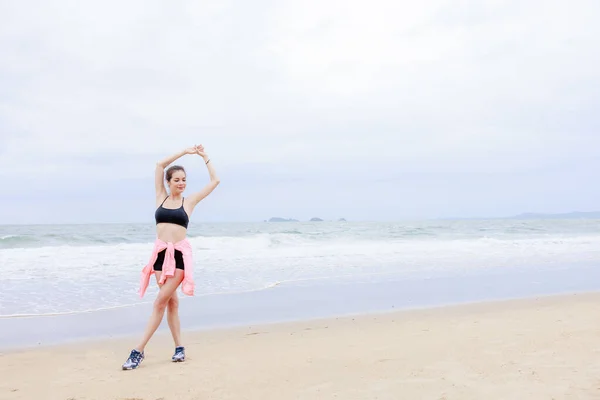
171 259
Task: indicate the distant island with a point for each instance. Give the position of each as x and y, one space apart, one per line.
570 215
279 219
314 219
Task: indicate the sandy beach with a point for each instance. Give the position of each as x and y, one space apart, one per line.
540 348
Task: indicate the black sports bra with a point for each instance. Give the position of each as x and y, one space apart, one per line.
176 216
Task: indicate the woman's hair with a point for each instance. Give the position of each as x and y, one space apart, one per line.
172 170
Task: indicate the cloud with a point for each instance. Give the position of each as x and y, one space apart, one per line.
313 91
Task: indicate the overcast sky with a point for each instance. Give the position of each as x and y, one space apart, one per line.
366 110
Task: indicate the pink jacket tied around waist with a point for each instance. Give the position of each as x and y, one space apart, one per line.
168 269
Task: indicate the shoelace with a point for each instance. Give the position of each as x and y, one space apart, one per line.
135 356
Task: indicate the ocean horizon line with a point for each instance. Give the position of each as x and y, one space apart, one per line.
521 216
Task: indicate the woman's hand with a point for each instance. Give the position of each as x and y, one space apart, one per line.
191 150
200 151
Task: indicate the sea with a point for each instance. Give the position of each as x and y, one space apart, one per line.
70 269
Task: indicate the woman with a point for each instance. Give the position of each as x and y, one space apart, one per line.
171 259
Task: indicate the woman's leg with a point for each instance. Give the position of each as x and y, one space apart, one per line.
160 305
172 314
173 319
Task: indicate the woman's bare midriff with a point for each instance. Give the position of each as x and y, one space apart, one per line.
170 232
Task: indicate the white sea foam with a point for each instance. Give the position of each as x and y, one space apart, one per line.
80 278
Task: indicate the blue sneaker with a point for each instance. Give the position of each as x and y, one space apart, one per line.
179 355
134 360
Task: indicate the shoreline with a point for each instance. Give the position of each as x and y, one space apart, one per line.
293 303
540 348
164 334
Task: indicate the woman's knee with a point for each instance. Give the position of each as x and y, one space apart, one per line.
161 302
173 304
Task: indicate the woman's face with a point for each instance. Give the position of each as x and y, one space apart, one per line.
177 183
